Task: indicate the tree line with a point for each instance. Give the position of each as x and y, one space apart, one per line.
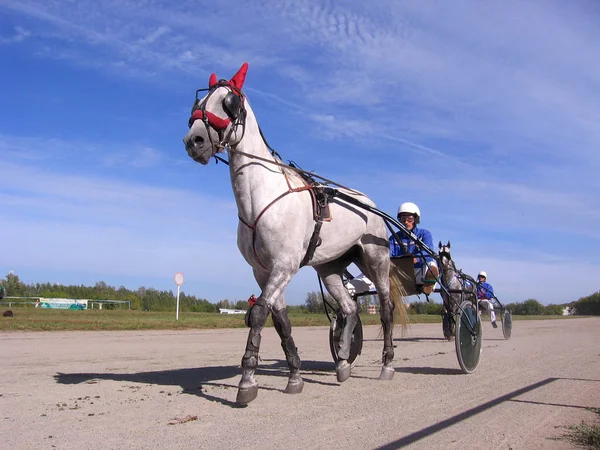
585 306
146 299
150 299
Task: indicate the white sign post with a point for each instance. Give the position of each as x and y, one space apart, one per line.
178 282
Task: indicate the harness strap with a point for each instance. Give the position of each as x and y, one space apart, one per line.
320 206
286 166
254 225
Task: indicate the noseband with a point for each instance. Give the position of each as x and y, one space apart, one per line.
233 105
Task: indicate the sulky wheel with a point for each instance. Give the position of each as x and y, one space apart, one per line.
468 337
506 319
335 330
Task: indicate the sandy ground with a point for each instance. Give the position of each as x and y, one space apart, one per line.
120 390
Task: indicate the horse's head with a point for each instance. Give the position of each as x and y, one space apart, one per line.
218 119
444 253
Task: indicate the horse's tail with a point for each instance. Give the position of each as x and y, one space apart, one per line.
398 295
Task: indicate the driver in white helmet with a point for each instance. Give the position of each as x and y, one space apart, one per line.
485 294
426 268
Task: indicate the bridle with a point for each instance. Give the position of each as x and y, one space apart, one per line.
444 253
233 104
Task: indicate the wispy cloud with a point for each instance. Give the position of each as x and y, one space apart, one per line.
20 34
484 116
116 229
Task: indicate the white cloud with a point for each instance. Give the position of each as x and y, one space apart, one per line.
20 34
485 116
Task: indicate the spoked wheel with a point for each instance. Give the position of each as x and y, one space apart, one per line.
335 331
468 337
506 319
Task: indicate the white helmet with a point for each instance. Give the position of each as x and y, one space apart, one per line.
482 274
410 208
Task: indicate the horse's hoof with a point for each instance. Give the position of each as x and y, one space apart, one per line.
246 395
343 370
294 387
387 373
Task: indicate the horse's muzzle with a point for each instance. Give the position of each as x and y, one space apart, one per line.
198 149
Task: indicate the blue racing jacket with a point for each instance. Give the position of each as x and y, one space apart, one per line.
485 291
412 249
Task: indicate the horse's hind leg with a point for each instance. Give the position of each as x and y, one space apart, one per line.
272 286
331 274
448 317
375 262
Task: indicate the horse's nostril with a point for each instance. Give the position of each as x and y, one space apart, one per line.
198 140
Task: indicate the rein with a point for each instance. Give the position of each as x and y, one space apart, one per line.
286 166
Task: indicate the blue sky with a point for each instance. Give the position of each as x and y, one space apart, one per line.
485 114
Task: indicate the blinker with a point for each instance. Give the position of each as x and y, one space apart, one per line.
231 105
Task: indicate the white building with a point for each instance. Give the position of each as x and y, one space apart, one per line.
231 311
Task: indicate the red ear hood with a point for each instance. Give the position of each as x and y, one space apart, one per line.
238 79
212 80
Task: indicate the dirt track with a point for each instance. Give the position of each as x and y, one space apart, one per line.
91 390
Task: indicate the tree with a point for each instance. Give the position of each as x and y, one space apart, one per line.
224 304
553 310
529 307
314 302
241 304
588 306
14 287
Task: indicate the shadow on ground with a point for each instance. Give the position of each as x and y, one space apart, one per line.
194 380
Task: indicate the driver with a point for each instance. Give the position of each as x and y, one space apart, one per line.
485 294
426 269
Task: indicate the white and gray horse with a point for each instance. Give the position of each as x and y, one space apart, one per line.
457 287
276 210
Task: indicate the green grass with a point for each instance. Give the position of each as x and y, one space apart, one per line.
586 435
32 319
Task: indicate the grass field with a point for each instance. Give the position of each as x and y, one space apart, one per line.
31 319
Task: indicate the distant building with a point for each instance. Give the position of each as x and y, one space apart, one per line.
231 311
372 309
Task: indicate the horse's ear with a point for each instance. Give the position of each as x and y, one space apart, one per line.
440 245
212 80
448 244
238 79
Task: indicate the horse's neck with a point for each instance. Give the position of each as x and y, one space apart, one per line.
255 183
449 271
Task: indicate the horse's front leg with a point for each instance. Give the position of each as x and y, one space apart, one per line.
272 286
248 387
284 329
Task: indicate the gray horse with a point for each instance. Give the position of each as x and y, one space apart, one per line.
457 288
277 232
